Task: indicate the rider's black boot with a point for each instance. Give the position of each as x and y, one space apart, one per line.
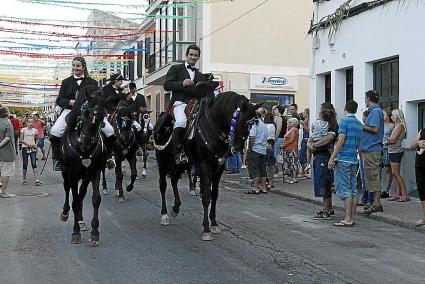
56 144
178 136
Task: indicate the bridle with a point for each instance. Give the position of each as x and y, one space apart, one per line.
228 140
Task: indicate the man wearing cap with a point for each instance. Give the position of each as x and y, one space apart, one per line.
7 151
181 80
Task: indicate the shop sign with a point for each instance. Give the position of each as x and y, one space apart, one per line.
274 82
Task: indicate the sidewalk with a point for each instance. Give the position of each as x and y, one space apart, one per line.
400 214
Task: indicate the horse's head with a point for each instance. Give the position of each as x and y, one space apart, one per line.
242 122
125 124
91 117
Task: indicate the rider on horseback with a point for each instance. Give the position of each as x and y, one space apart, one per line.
181 80
69 92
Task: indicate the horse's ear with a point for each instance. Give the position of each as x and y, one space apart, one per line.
244 106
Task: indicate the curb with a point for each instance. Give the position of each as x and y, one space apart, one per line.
383 218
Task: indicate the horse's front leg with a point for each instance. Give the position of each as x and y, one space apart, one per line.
76 235
67 188
145 158
165 220
82 194
132 161
214 196
104 184
205 186
118 180
96 199
177 201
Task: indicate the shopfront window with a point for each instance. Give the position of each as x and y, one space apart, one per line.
328 88
269 100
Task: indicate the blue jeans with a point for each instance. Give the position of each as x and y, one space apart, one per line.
322 176
25 155
346 180
277 144
303 153
234 163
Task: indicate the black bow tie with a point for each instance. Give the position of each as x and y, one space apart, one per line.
191 68
79 79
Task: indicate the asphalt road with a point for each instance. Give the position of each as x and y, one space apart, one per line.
264 239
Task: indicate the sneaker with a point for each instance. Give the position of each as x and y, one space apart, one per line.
38 183
367 206
243 167
373 209
322 215
308 167
404 198
384 194
395 198
24 182
331 212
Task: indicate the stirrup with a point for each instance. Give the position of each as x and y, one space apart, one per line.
181 159
110 164
57 167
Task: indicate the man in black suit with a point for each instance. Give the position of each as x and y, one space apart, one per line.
68 94
181 80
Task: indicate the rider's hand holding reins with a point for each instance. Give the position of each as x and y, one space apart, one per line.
187 82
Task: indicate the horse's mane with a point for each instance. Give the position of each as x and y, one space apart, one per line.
226 101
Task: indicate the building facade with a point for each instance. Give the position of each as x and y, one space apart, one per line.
263 55
376 45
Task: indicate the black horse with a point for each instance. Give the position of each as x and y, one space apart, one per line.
83 155
219 129
127 136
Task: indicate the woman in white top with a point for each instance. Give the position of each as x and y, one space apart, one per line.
29 149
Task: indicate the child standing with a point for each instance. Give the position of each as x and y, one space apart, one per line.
290 148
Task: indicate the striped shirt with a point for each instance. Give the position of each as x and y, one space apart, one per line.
352 128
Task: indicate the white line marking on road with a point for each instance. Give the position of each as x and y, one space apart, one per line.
231 189
253 215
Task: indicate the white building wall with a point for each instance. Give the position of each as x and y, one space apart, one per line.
391 30
386 31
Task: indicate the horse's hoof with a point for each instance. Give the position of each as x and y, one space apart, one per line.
207 236
192 192
94 241
165 220
76 239
104 191
144 173
174 214
82 225
215 230
129 188
64 217
117 192
121 199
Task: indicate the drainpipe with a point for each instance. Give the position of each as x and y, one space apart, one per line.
313 95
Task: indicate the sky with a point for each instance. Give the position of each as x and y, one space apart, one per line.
14 42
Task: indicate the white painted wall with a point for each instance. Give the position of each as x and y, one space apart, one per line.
386 31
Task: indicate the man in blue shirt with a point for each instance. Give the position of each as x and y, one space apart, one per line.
371 148
345 154
257 155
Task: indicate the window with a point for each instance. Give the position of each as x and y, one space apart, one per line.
386 82
328 88
349 84
131 65
140 59
421 116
